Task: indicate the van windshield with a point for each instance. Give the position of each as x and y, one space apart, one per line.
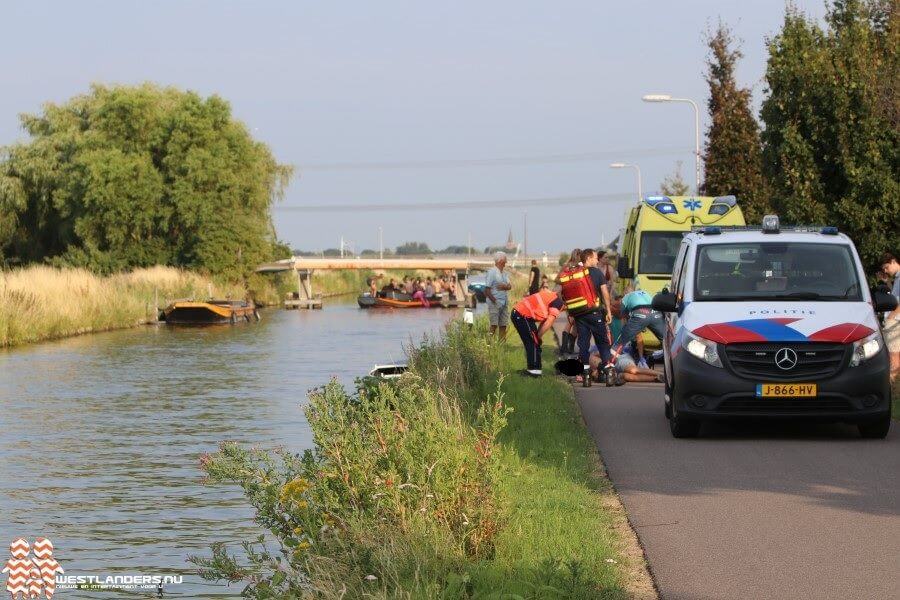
658 251
776 271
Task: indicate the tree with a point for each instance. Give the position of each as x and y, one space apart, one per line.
831 144
453 249
733 154
136 176
674 184
413 248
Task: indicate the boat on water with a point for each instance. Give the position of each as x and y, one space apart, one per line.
391 371
209 312
397 300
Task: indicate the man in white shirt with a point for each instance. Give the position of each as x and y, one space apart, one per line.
496 286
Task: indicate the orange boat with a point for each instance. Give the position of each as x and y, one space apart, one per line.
396 300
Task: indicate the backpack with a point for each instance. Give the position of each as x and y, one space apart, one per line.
577 291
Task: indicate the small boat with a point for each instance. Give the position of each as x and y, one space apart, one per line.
396 299
210 312
388 371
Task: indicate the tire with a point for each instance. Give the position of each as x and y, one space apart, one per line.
875 430
667 406
680 426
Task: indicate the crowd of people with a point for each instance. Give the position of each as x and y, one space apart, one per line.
428 288
604 360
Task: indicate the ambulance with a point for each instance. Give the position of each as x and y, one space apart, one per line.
652 235
772 322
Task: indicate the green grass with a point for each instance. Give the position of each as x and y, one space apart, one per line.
558 532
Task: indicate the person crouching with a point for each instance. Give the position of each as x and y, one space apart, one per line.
532 317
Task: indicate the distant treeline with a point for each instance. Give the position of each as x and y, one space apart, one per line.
405 249
127 177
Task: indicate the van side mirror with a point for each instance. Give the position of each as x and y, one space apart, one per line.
665 302
623 270
883 301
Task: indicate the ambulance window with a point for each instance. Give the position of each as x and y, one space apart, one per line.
658 251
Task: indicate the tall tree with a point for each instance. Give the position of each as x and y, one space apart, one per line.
831 146
674 184
733 153
134 176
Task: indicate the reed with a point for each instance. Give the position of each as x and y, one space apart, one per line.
42 302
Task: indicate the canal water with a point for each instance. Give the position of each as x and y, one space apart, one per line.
100 434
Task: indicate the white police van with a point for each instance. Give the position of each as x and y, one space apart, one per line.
768 322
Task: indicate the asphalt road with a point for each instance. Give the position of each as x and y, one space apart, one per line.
753 510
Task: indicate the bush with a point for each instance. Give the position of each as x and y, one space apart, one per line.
395 465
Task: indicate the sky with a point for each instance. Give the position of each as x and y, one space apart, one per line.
421 89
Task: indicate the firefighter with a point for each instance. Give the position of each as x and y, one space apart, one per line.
592 318
532 317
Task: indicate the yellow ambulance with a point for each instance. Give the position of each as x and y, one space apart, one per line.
653 231
652 237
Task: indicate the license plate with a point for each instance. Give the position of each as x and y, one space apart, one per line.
785 390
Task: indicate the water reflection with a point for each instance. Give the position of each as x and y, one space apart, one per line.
101 434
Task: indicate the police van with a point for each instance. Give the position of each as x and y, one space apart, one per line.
772 322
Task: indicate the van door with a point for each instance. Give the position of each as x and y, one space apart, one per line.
678 282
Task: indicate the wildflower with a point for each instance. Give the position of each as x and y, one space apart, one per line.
292 491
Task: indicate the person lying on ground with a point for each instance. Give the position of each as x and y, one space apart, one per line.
627 368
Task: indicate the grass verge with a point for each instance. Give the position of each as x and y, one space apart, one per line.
459 480
40 302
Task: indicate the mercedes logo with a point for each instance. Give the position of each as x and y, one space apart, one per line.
785 359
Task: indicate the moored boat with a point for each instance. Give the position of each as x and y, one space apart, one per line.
210 312
396 300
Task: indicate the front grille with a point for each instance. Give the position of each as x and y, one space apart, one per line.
751 404
814 360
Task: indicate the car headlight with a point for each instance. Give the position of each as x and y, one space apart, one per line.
865 349
703 349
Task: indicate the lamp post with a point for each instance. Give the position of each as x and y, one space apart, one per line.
621 165
668 98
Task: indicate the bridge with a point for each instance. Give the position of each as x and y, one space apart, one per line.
304 297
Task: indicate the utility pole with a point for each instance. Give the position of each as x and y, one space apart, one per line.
380 243
342 246
469 247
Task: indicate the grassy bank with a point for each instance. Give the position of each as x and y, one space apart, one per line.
459 480
40 303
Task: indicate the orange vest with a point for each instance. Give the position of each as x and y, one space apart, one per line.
537 306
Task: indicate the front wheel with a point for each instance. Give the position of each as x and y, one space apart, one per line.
875 430
680 426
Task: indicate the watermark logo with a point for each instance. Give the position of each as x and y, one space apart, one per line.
33 573
30 577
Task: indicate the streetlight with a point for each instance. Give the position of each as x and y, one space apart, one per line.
621 165
668 98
